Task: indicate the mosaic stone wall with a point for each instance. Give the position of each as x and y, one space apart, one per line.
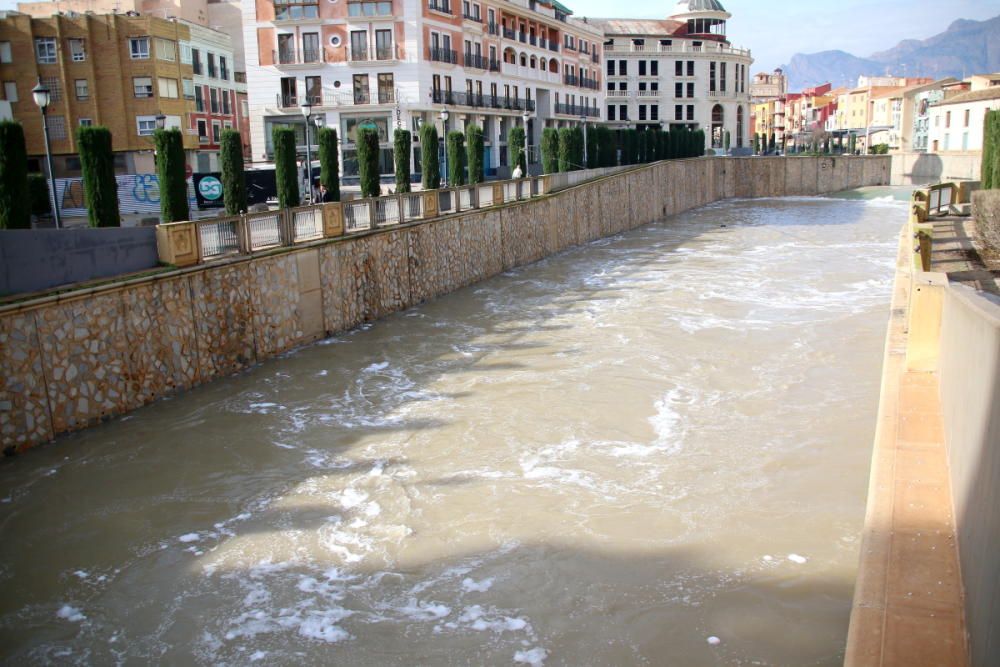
72 363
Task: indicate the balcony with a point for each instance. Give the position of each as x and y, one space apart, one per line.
475 61
493 29
648 93
589 83
595 57
366 55
471 17
442 6
508 34
444 56
577 110
684 47
479 101
291 57
571 80
333 100
616 93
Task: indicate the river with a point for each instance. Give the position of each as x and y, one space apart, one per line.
652 449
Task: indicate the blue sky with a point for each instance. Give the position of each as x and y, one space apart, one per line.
776 29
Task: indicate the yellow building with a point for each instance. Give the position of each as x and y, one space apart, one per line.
112 70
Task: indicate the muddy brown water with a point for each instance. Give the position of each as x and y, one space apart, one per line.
652 449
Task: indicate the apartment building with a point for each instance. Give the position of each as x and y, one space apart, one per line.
768 86
681 71
193 11
956 122
390 64
116 70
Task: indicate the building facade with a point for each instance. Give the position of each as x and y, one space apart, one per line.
681 71
119 71
397 64
956 123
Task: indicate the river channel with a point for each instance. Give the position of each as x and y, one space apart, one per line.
649 450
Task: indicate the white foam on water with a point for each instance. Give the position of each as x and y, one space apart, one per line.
423 611
534 657
71 614
714 641
189 537
795 558
473 586
257 656
375 368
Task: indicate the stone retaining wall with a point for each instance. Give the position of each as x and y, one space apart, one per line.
71 361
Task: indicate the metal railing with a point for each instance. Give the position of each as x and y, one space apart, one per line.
444 56
940 198
227 236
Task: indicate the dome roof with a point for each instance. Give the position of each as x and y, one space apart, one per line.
685 8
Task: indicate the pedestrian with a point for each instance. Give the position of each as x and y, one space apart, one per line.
517 172
322 195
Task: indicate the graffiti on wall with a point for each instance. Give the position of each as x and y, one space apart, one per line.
137 193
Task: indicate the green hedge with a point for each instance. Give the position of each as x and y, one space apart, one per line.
170 170
565 148
550 150
286 174
515 148
368 168
455 145
430 167
38 194
234 183
475 146
329 162
15 212
606 146
990 169
401 142
593 148
99 183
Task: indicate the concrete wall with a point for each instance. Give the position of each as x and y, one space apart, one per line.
71 361
970 403
37 259
924 168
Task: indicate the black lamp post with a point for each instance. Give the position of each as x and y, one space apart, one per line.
444 128
307 114
43 97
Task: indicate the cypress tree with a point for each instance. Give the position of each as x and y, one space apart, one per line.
650 145
565 149
474 148
234 184
430 167
726 140
15 212
771 144
170 172
607 149
990 147
852 144
329 161
368 168
550 150
576 154
637 147
593 148
38 194
401 142
99 183
286 174
515 148
700 143
456 158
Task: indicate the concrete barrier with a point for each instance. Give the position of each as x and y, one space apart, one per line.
924 168
32 260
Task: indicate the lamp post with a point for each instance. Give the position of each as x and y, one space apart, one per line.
583 121
525 117
307 114
444 134
43 97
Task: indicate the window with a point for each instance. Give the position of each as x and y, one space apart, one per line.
145 125
622 67
57 127
166 49
690 90
228 111
711 77
143 86
359 45
967 115
611 112
224 64
285 10
5 56
678 112
654 112
168 87
690 68
213 96
199 99
383 44
52 83
139 48
216 132
45 50
678 90
678 68
86 122
203 130
196 61
381 8
622 112
642 112
690 111
642 68
386 88
211 65
947 123
77 51
10 91
361 89
611 67
310 47
244 108
186 53
654 68
188 86
82 89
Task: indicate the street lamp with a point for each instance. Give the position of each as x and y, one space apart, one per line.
43 97
444 128
161 122
525 117
307 114
583 121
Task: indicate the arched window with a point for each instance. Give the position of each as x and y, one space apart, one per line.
534 62
524 60
739 126
718 125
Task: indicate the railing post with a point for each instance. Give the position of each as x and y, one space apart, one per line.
400 215
497 193
430 203
372 214
285 235
243 234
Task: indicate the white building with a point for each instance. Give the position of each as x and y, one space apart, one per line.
398 63
681 71
956 123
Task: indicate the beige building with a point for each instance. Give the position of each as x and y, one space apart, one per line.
195 11
956 123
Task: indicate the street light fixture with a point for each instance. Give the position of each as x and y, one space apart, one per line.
307 114
43 97
583 121
161 122
525 117
444 135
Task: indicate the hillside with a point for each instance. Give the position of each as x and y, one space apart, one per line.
966 47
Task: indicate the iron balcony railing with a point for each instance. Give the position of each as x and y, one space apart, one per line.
508 34
577 110
570 80
290 57
444 56
478 100
589 83
476 61
553 46
442 6
471 17
493 28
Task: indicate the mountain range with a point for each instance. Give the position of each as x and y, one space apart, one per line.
965 48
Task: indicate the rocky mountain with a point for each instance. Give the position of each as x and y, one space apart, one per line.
966 47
